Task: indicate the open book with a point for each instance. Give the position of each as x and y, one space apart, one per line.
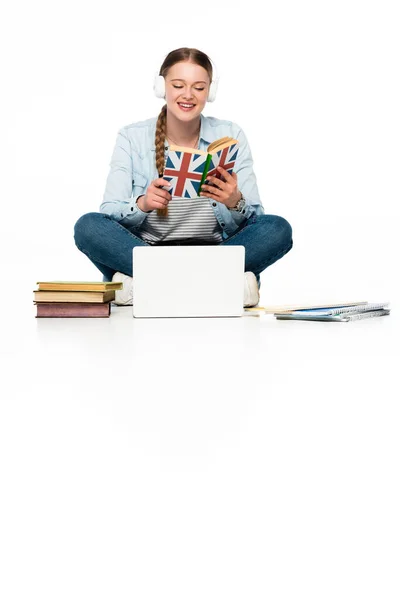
188 168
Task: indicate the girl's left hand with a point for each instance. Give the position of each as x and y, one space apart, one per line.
226 192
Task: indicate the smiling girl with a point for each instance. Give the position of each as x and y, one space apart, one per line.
138 211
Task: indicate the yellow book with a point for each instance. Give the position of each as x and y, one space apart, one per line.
83 296
81 286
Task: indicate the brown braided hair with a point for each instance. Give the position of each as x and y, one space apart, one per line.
180 55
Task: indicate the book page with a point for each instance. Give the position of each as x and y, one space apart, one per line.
221 143
184 149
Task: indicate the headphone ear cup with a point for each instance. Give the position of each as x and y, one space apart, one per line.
159 86
212 91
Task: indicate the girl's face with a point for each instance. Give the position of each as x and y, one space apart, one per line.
186 83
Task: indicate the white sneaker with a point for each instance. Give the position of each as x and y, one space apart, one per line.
123 297
251 291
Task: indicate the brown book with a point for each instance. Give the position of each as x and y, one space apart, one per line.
82 286
73 309
48 296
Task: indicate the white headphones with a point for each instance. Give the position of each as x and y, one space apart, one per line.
159 86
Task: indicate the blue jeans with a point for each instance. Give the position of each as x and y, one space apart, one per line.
109 245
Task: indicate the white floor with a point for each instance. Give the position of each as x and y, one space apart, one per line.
199 458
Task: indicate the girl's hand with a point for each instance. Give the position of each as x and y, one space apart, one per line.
155 196
226 192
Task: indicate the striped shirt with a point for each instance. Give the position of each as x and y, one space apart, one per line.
187 218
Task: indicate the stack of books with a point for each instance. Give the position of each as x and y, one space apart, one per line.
75 298
350 311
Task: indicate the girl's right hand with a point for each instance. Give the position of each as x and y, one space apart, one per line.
155 196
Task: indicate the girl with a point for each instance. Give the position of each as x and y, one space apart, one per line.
138 211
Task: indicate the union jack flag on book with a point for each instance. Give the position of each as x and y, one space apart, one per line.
187 168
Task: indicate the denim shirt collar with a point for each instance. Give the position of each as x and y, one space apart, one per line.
206 133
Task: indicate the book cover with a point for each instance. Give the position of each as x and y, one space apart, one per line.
187 168
84 286
59 296
72 309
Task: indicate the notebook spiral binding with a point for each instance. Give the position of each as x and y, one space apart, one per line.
366 315
359 309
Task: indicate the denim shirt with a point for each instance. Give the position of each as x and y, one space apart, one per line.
133 168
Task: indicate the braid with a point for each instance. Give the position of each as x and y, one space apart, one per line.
159 143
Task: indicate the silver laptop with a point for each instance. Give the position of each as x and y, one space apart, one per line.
188 281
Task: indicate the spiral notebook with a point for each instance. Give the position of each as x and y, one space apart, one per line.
344 313
289 308
342 309
342 317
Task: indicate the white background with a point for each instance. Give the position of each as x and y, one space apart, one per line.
315 87
313 84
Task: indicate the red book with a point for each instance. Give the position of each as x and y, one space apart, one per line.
73 309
